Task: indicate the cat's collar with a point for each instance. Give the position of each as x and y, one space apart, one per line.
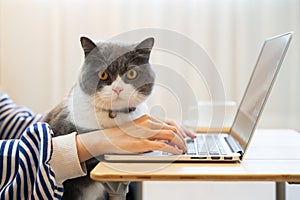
113 113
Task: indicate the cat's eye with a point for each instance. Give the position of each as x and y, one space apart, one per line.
103 76
132 74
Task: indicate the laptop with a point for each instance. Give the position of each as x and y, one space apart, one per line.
231 146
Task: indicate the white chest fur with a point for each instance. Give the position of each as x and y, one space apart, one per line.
84 114
105 121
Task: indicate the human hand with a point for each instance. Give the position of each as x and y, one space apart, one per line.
184 132
142 135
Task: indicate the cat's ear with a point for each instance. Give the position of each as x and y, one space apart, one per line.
146 44
87 45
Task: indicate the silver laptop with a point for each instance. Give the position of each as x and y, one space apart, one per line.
231 146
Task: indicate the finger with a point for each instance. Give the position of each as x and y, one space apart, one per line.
163 126
178 140
161 146
169 124
181 131
172 138
157 124
189 132
184 131
150 122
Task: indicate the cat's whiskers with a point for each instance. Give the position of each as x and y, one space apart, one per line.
105 101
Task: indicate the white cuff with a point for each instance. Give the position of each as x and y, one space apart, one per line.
65 162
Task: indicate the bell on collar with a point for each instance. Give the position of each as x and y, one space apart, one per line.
112 114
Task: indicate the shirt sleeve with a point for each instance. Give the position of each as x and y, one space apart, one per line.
25 170
14 119
65 161
18 127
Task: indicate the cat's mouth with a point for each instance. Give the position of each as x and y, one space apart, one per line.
116 102
113 103
117 98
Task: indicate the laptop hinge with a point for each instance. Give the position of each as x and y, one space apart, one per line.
234 145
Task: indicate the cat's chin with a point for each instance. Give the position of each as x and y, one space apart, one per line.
118 104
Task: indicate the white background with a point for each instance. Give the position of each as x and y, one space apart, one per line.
40 56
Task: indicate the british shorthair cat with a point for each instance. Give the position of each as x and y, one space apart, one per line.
115 80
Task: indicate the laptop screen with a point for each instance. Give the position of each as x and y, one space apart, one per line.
259 87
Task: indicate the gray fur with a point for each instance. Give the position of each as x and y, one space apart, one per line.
58 119
116 59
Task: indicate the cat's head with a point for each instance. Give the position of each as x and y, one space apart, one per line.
118 75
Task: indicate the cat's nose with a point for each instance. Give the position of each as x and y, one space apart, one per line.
117 90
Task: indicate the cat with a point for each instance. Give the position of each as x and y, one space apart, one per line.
114 82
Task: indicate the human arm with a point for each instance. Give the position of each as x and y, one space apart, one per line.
25 170
142 135
15 120
70 151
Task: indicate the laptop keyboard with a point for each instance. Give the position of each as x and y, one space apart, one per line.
206 145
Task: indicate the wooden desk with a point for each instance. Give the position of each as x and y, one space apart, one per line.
272 156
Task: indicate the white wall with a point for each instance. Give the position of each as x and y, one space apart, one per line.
40 52
209 190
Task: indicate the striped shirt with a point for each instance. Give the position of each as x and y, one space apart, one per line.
25 152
